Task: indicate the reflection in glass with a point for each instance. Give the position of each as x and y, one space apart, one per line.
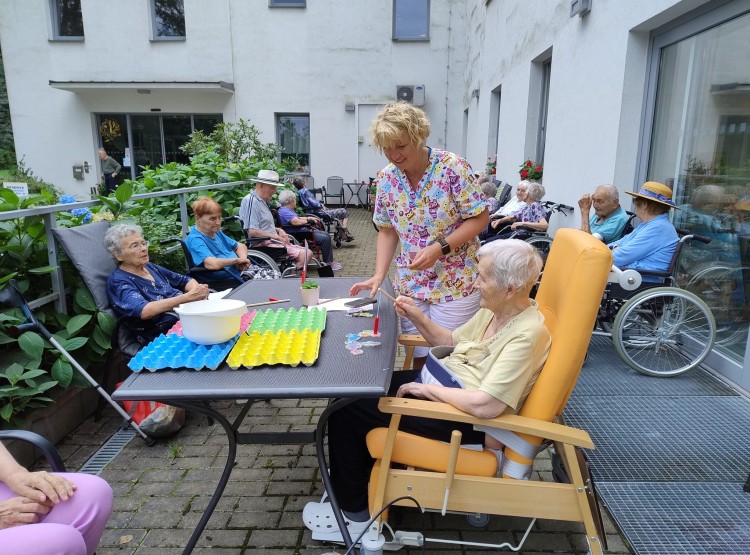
294 138
169 18
68 18
177 131
206 124
113 137
146 132
701 148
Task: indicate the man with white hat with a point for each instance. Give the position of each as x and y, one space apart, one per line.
257 219
651 245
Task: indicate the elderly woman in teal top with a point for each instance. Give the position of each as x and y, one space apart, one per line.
651 245
428 201
210 247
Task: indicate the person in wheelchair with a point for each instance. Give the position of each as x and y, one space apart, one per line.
609 219
649 246
533 216
311 204
309 225
211 248
518 202
141 293
257 219
490 367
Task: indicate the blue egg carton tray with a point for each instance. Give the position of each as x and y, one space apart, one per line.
174 351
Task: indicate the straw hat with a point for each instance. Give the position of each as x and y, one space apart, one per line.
268 177
655 192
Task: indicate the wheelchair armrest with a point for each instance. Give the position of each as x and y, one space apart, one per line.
42 444
510 422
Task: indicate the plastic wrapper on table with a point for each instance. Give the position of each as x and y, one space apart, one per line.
290 348
174 351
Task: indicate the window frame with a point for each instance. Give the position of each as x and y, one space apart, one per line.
409 39
289 4
277 124
155 37
54 20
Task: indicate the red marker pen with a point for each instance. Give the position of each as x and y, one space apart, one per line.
375 326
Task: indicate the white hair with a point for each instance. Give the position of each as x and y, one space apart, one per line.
514 263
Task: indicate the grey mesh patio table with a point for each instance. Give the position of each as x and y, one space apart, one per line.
337 374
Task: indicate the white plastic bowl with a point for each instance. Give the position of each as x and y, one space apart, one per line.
211 321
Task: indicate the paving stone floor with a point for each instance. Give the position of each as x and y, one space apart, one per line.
161 491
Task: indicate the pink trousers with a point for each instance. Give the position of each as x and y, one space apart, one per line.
72 527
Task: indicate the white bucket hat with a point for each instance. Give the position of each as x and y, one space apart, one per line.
268 177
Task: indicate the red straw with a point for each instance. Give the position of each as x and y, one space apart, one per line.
375 326
303 276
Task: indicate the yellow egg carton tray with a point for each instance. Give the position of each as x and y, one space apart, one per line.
290 348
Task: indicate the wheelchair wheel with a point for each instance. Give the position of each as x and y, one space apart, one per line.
541 243
664 331
722 289
263 260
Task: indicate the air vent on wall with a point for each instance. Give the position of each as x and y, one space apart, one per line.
411 93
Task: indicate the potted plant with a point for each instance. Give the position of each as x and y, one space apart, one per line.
310 293
530 170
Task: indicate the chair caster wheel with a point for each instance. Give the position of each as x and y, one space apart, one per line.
478 520
338 244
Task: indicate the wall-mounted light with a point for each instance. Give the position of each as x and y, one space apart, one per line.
86 167
143 91
475 94
349 106
156 109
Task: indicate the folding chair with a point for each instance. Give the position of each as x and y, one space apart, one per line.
445 477
334 189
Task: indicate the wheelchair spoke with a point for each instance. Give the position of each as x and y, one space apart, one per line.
664 331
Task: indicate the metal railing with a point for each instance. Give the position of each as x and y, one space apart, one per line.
48 214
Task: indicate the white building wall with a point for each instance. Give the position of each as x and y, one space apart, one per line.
597 88
310 60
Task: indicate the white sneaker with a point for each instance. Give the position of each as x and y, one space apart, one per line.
319 518
335 266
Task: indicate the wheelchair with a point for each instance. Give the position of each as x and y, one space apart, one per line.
658 329
332 226
539 239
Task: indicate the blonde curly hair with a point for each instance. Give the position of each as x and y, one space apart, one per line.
396 118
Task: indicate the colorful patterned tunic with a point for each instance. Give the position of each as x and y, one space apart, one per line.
446 195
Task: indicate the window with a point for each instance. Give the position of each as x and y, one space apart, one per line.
541 137
293 137
139 140
168 18
699 145
67 21
287 3
411 20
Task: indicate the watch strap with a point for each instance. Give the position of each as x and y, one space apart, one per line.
444 246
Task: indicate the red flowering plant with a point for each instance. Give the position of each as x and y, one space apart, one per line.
530 170
491 165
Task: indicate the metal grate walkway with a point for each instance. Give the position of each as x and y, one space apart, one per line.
108 452
672 455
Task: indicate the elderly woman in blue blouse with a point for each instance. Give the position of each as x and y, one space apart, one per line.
649 246
142 293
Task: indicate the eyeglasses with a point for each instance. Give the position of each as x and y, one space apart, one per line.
138 245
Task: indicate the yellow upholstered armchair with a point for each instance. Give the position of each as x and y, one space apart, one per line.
446 477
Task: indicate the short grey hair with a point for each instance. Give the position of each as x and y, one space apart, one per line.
610 190
536 191
525 184
489 189
287 196
115 234
514 263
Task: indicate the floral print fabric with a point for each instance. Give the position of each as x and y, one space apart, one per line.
446 195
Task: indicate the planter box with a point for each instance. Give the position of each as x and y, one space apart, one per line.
71 407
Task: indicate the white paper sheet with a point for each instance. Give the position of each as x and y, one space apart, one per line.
219 294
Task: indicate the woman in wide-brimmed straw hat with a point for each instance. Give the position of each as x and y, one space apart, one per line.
651 245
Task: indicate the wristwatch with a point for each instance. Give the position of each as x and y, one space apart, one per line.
444 246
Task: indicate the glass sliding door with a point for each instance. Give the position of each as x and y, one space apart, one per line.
147 146
177 131
700 146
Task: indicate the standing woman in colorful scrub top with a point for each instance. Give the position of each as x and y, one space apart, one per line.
428 200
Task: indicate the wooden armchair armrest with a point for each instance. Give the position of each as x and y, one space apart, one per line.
410 341
511 422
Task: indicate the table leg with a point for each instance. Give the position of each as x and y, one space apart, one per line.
320 432
231 456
